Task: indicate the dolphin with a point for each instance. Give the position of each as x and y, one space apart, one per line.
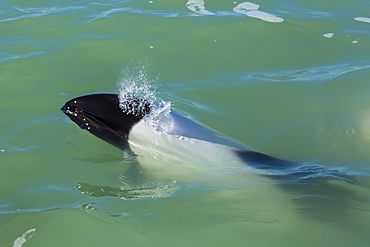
164 137
136 125
145 130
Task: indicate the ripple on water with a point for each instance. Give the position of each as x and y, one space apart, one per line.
321 73
30 12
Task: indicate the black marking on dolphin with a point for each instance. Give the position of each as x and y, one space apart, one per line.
102 116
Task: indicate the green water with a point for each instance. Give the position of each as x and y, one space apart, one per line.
282 88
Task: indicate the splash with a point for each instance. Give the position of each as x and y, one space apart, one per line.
134 106
137 83
138 95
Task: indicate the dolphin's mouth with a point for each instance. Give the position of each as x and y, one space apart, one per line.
83 119
80 117
95 125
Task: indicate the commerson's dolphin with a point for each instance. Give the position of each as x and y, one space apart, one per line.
136 125
173 146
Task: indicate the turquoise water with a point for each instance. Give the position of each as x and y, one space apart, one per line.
294 85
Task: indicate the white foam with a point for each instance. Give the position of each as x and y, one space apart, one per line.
24 238
198 7
137 83
251 10
363 19
264 16
246 6
328 35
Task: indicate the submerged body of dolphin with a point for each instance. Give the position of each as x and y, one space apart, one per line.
130 124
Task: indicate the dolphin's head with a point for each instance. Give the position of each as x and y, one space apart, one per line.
107 116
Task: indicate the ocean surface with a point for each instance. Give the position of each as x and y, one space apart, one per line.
289 78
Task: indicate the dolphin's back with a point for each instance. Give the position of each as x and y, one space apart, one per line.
189 128
180 137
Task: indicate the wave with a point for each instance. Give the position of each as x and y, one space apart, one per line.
92 11
312 74
31 12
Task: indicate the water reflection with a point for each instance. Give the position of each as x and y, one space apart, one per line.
322 193
148 190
